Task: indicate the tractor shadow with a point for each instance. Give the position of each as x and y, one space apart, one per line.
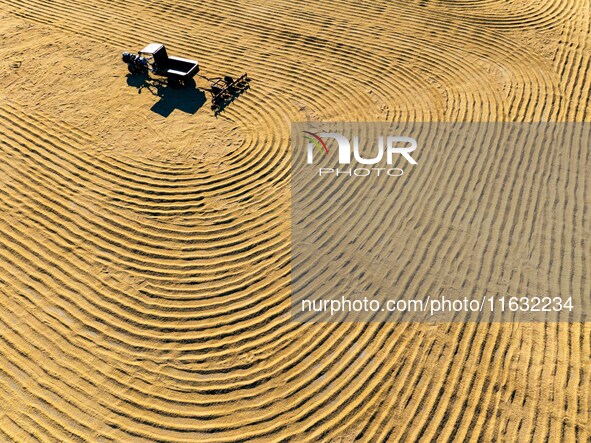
185 98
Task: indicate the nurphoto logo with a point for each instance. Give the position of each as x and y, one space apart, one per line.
388 148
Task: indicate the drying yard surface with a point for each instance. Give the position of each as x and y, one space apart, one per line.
145 242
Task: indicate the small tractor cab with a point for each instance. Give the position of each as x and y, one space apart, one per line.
154 58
